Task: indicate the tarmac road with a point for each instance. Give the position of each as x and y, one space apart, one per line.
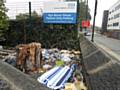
110 45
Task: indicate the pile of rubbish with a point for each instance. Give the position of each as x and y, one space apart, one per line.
8 56
4 53
53 57
59 69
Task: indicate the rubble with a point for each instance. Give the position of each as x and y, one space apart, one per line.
36 61
75 86
10 59
62 58
5 54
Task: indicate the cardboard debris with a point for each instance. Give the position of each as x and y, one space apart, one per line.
75 86
29 57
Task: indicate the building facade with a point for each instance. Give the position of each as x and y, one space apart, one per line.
104 21
113 26
114 17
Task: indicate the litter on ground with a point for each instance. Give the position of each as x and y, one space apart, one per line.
59 69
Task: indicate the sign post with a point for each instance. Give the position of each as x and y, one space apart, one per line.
95 12
60 12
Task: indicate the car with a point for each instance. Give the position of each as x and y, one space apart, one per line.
88 34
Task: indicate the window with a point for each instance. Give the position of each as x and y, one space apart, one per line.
112 11
109 25
116 16
115 24
109 12
117 7
111 18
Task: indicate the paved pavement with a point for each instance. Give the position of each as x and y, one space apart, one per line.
110 45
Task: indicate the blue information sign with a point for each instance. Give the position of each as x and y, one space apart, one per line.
60 12
62 18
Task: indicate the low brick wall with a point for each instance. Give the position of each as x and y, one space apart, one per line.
18 80
103 72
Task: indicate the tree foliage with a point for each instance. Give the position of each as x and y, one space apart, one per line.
63 36
84 11
3 17
49 35
23 16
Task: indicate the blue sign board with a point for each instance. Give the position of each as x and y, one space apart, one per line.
60 12
60 18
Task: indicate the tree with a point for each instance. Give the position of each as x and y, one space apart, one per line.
84 11
84 15
22 16
49 35
3 18
83 7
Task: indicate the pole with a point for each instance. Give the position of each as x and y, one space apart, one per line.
95 12
30 11
86 14
87 10
78 20
30 27
25 37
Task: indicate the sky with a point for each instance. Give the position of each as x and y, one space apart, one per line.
102 5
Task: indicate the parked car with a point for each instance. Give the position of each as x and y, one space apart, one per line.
88 33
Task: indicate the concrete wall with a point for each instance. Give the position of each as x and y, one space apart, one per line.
103 72
18 80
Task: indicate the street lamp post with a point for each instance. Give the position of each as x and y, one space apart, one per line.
95 12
